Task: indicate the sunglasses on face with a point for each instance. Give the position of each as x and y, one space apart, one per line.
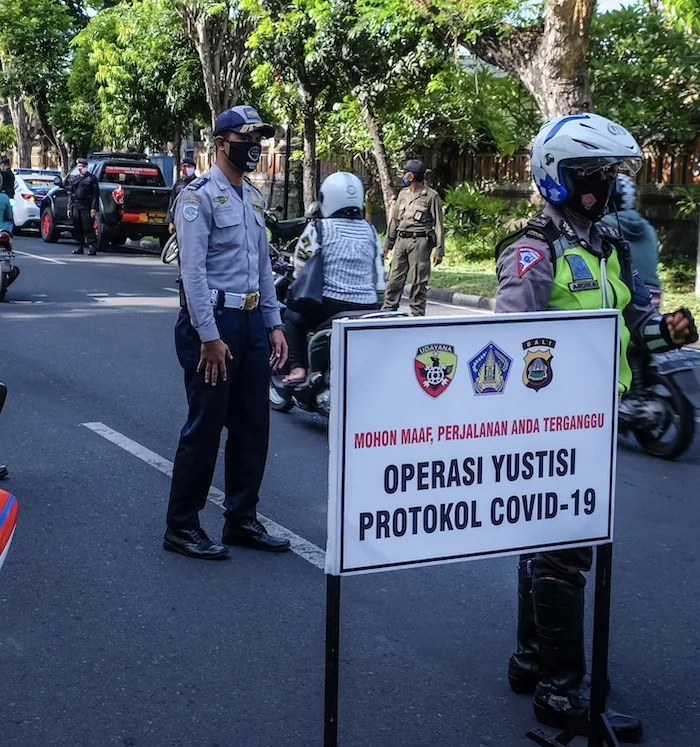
607 173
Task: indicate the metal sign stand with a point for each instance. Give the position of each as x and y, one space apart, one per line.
330 729
600 733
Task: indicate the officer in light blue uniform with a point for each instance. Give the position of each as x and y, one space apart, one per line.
227 336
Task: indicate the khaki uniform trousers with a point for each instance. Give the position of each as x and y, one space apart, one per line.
410 256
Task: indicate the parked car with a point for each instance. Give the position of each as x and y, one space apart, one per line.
133 201
30 190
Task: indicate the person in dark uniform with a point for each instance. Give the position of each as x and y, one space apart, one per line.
83 203
188 175
7 184
228 325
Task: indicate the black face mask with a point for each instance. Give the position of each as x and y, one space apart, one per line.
589 194
243 156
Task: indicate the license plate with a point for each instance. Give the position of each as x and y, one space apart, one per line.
156 218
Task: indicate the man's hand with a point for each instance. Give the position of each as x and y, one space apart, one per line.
280 349
437 260
93 213
171 228
681 327
213 357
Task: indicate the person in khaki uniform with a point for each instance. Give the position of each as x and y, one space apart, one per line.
415 229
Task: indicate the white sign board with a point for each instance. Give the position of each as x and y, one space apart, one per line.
470 437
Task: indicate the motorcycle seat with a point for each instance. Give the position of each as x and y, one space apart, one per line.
289 229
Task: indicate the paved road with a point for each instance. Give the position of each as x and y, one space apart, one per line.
107 640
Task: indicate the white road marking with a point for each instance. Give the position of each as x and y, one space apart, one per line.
38 256
301 547
171 290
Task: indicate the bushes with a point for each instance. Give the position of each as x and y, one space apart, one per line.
476 222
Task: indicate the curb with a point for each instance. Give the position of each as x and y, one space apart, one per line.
445 295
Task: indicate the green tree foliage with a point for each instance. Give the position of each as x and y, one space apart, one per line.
646 74
148 77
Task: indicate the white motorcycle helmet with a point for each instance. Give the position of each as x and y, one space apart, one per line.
341 195
584 143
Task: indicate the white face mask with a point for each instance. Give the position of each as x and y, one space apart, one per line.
189 170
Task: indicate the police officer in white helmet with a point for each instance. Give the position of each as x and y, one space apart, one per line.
565 260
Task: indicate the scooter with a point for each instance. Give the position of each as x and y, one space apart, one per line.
9 272
314 394
9 507
659 410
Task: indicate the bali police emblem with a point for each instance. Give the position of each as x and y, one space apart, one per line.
538 363
489 370
435 367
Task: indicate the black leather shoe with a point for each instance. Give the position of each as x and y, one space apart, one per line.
4 472
251 533
524 679
92 253
194 543
560 710
79 250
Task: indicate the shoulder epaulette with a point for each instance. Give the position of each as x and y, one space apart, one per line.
200 181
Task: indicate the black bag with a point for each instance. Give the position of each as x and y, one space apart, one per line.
305 294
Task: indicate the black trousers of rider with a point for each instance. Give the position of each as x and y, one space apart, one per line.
84 227
566 565
297 326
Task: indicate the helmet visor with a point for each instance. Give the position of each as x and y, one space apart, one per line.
589 165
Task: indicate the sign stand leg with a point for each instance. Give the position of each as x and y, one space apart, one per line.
600 732
330 729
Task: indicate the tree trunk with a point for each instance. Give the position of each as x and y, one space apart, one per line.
23 131
221 45
177 152
308 109
384 171
53 137
549 61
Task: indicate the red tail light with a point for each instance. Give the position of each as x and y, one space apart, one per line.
5 238
29 197
118 195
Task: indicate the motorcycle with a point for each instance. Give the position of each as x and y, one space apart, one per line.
313 395
284 235
9 507
9 272
659 410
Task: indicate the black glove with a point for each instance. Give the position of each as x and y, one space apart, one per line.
692 334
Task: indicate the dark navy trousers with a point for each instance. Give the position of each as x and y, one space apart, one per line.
240 404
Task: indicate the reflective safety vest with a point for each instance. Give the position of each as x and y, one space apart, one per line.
585 281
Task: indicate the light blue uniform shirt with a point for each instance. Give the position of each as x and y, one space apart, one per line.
223 246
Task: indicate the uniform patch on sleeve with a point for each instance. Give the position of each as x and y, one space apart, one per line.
528 257
190 211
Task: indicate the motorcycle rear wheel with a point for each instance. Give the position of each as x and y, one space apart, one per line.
681 429
278 402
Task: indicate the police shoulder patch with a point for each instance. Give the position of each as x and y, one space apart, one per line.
190 211
528 257
200 181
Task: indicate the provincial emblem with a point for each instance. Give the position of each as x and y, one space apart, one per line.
537 373
489 370
435 367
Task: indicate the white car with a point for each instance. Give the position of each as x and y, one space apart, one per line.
30 190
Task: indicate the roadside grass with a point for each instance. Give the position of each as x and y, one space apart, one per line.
478 277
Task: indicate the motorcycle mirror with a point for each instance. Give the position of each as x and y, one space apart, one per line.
57 181
279 209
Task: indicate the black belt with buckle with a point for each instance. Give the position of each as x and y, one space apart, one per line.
413 234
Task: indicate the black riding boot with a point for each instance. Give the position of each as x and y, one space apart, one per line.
524 665
563 694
